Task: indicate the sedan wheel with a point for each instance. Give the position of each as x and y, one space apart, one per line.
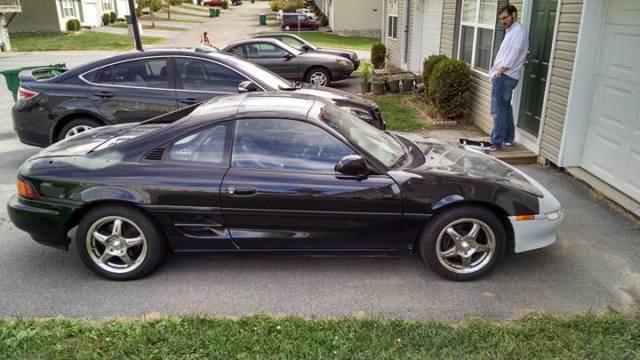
77 130
318 77
463 243
119 242
76 127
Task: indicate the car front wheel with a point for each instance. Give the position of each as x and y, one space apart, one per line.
463 243
318 77
119 242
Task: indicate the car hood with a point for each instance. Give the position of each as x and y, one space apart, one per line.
453 159
338 97
317 56
338 52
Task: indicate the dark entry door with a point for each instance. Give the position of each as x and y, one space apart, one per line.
535 72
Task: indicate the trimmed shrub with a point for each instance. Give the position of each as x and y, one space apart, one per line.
427 67
225 4
73 25
323 20
106 18
378 54
113 16
450 87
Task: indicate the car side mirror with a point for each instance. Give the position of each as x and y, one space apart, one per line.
289 56
353 166
247 86
306 47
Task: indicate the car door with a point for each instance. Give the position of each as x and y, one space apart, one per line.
188 171
134 90
198 80
281 192
274 58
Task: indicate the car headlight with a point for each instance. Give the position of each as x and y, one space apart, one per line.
345 63
554 215
361 113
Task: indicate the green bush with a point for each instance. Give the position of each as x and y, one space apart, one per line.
427 67
378 54
286 5
106 18
113 16
138 11
450 87
225 4
323 20
73 25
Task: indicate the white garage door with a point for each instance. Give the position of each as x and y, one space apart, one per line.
123 8
91 14
612 144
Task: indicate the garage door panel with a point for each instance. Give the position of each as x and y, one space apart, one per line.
602 151
631 179
620 56
624 12
616 105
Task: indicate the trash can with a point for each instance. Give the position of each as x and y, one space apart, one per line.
217 12
13 81
127 18
212 12
263 19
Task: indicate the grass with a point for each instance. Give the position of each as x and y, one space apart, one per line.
149 27
175 11
399 116
339 41
610 336
87 40
160 19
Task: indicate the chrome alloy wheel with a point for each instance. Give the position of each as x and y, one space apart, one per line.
318 78
465 246
116 244
77 130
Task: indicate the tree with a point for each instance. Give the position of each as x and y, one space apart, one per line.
153 5
171 3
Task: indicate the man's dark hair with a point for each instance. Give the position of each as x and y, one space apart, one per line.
510 9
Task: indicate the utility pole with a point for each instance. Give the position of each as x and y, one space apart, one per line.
134 24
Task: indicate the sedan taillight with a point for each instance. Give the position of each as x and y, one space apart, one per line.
25 190
24 94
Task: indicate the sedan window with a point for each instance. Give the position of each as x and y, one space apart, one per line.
292 42
205 146
150 73
207 76
264 50
286 145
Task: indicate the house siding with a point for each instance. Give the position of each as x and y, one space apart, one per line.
38 16
394 46
448 37
357 17
560 79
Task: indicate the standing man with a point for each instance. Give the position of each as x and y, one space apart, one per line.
505 73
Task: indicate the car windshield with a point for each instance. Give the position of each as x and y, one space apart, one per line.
272 80
380 145
289 48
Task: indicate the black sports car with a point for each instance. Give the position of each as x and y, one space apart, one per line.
282 173
140 85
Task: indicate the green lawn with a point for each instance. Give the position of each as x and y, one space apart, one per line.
149 27
398 116
611 336
160 19
339 41
175 11
87 40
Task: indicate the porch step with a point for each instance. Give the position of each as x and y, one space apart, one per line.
516 155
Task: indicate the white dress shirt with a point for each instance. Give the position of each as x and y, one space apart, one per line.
513 52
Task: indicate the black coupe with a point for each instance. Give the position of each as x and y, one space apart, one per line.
278 173
140 85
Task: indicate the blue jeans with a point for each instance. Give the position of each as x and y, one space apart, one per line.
504 129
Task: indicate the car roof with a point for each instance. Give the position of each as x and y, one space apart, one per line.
250 40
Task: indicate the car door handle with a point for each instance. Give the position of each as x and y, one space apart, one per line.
189 100
241 190
103 94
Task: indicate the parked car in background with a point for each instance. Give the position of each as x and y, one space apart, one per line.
295 21
140 85
236 2
308 13
277 173
303 45
315 68
219 3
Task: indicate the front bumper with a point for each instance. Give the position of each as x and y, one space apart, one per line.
45 223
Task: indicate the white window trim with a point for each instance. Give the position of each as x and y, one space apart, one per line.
68 5
391 13
476 25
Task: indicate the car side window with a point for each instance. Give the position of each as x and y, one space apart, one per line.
149 73
105 76
207 76
204 146
265 50
291 145
295 43
238 50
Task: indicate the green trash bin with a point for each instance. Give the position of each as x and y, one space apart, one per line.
217 12
263 19
13 81
127 18
212 12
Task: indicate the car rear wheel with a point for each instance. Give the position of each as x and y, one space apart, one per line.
76 127
463 243
119 242
318 77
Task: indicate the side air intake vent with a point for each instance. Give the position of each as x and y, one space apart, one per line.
155 154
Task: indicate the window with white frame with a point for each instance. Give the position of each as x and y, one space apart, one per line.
107 5
68 8
477 27
392 16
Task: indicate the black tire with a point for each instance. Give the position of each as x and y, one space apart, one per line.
155 244
438 225
318 70
79 122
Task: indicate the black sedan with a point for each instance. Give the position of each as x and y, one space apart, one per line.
303 45
314 68
140 85
277 173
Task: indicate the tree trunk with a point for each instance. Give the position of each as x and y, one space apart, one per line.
153 17
169 12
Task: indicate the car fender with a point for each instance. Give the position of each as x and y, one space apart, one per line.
113 193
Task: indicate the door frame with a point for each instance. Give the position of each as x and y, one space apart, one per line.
529 141
418 34
406 31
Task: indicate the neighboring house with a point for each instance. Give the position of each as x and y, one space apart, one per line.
51 16
353 17
578 104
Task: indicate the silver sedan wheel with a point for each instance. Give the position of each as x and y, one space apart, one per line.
318 78
465 246
116 244
77 130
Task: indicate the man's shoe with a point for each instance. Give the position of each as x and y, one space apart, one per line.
494 149
508 144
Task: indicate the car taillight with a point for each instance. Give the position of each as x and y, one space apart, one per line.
26 191
24 94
